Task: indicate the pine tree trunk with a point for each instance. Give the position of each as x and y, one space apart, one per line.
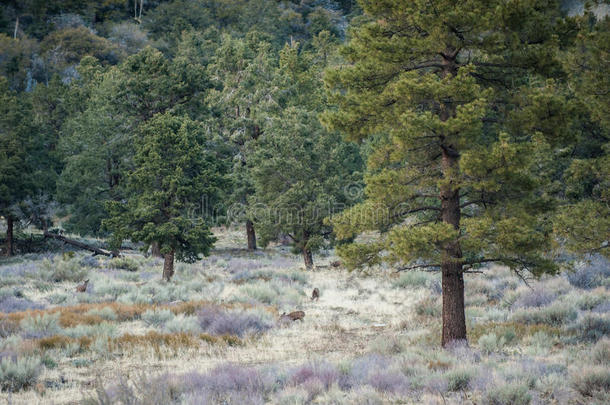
16 28
168 266
251 235
9 236
155 249
308 258
454 319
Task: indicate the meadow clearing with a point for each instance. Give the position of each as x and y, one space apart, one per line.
212 334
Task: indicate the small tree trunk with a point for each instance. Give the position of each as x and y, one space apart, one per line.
168 266
308 258
251 235
9 236
155 249
454 319
16 27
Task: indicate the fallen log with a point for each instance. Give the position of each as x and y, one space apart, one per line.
81 245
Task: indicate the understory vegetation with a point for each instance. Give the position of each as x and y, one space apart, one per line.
305 201
546 342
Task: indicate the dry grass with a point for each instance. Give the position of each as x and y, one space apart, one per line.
71 316
130 341
356 315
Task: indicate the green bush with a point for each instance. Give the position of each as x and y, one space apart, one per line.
553 315
600 354
412 279
459 379
18 374
39 326
157 317
124 263
509 394
182 324
429 307
101 329
64 270
590 328
106 313
592 382
491 343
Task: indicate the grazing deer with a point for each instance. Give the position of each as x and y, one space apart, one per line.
82 287
315 295
293 316
336 263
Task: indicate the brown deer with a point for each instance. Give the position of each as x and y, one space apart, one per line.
82 287
315 295
335 264
293 316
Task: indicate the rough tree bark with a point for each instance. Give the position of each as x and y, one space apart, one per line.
9 235
168 266
155 249
308 258
454 318
251 235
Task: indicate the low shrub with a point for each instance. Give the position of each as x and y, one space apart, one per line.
7 327
430 307
600 354
124 263
386 380
323 373
491 343
272 293
459 379
590 274
11 304
509 394
106 313
182 324
512 332
19 373
534 298
592 382
102 329
39 326
59 270
553 315
217 321
157 317
412 279
590 328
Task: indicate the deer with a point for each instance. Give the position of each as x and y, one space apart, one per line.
315 295
293 316
82 287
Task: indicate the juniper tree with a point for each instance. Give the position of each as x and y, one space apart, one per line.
301 172
583 223
440 90
175 170
98 137
16 170
246 95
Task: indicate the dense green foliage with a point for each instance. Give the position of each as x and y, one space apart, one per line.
483 124
474 116
175 171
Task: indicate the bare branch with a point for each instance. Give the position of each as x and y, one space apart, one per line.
418 266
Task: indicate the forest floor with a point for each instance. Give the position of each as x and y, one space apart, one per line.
213 334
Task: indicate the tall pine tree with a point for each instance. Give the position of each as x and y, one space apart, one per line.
454 180
176 170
